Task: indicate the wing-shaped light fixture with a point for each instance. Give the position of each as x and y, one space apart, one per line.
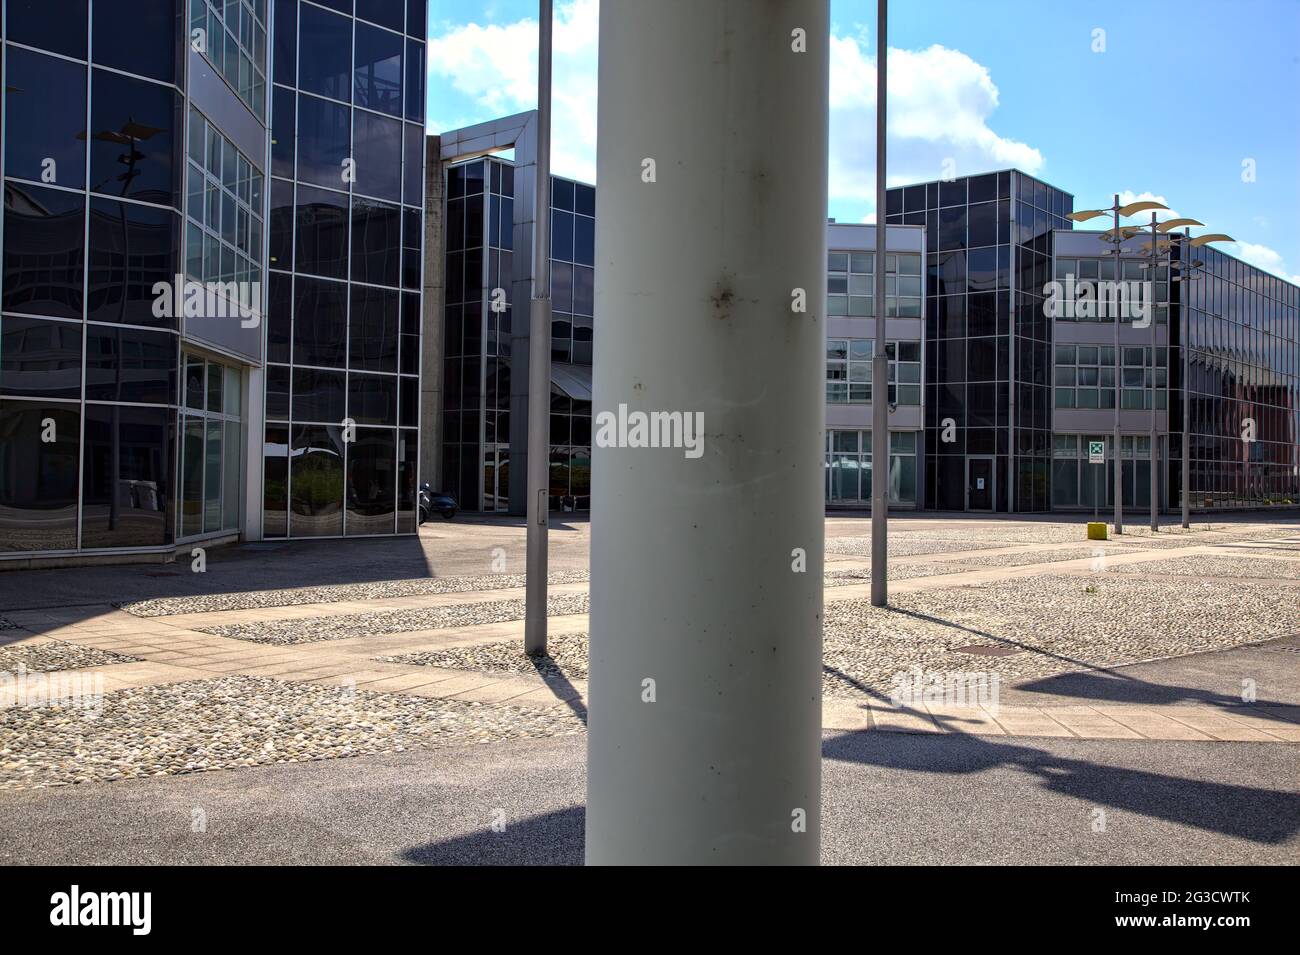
1141 205
1126 232
1176 224
1087 214
1201 240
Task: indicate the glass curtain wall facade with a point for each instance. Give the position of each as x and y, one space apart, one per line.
89 384
344 255
479 263
136 153
1244 350
988 256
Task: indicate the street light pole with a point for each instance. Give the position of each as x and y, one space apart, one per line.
1154 440
539 358
1183 306
880 360
1119 375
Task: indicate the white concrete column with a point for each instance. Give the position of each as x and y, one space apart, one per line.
706 562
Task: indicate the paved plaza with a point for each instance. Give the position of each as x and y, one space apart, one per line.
1178 650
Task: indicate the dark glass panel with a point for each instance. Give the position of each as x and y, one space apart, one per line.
372 399
412 248
372 481
584 240
373 331
280 240
40 359
562 236
408 467
319 327
472 174
894 202
285 56
316 482
126 495
139 36
378 152
584 290
134 148
45 119
376 242
413 166
982 359
128 364
132 248
343 6
277 392
562 194
417 12
983 225
950 193
44 244
408 401
377 73
283 123
319 395
388 13
952 228
328 68
279 324
38 477
322 218
584 198
275 482
56 25
191 477
324 140
410 334
983 188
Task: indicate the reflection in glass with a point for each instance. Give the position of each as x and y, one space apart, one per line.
45 119
372 482
44 249
38 478
127 500
316 481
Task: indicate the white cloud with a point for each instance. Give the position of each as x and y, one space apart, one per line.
1270 260
1129 196
941 101
495 66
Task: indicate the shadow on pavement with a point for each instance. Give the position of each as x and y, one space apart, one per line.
1260 815
556 838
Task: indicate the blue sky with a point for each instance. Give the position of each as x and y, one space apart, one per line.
1179 98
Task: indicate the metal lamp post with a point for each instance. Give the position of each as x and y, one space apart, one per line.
539 358
880 360
1117 236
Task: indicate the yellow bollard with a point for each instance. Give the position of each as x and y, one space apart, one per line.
1097 531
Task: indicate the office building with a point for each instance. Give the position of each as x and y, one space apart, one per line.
268 154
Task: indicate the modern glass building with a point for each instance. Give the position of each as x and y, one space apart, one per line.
993 401
1022 392
212 256
988 345
486 181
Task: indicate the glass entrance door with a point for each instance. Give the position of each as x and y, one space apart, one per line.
979 484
